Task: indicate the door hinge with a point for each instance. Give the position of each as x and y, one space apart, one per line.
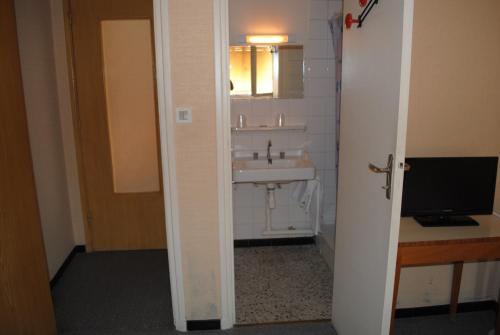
70 15
90 218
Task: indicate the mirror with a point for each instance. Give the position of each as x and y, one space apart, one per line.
275 71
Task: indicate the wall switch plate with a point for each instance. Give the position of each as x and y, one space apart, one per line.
183 115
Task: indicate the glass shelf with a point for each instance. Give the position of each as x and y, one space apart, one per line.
255 129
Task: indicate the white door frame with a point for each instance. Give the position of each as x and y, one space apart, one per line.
224 173
224 170
166 120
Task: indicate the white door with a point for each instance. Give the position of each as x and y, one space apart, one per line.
375 83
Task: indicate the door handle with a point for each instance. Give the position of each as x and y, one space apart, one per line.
376 169
388 174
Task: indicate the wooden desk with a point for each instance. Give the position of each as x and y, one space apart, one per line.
419 246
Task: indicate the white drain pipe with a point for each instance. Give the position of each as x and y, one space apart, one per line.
270 205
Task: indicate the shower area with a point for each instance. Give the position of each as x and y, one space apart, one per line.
326 231
284 233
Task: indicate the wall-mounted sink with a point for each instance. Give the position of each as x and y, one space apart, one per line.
295 166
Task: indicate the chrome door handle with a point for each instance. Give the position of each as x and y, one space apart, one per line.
388 174
376 169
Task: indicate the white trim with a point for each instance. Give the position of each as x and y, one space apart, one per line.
224 179
400 150
164 83
496 214
285 232
63 79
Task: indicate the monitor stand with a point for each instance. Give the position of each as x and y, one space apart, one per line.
446 221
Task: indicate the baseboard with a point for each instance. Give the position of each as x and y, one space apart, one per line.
203 324
445 309
265 242
78 249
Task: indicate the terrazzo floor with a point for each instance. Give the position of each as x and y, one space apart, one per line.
282 284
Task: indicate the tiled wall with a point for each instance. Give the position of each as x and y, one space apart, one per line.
316 109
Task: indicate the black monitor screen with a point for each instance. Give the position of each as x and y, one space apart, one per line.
449 186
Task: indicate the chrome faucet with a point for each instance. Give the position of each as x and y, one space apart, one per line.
269 159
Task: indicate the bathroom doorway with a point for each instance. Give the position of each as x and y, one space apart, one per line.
284 59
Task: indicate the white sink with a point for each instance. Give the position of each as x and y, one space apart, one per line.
296 166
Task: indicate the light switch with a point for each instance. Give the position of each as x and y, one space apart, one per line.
184 115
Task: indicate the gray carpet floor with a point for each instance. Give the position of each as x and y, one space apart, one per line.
128 293
475 323
114 292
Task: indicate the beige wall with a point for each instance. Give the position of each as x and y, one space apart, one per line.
193 79
454 111
40 90
66 119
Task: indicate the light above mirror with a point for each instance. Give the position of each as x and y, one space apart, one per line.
266 39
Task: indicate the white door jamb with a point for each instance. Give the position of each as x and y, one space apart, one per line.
166 124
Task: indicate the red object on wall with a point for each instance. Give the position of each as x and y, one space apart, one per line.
349 21
363 3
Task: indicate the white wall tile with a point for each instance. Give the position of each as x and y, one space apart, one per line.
331 105
259 196
297 108
243 195
243 231
279 141
297 213
319 159
280 106
330 160
259 213
261 105
280 215
260 140
316 110
316 125
330 125
318 87
241 141
257 229
330 142
243 215
334 7
297 140
317 49
330 53
316 106
282 197
329 194
240 106
319 9
319 68
284 225
318 142
329 177
319 29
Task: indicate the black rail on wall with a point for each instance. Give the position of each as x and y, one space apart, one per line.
367 8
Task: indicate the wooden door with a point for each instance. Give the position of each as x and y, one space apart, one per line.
25 301
113 55
375 89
